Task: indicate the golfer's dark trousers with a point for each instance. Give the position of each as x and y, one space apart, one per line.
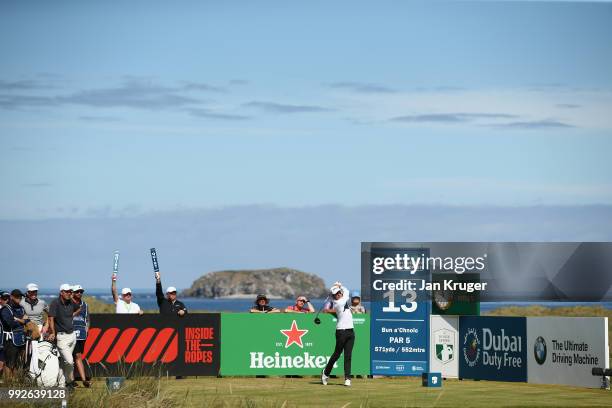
345 339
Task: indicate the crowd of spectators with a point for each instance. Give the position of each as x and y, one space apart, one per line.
303 305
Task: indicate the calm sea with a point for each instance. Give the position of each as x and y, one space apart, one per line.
146 299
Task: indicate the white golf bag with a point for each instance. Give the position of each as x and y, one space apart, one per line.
45 367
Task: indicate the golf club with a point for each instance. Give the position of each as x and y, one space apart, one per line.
316 319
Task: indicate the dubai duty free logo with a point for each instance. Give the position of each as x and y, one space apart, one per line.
539 350
471 347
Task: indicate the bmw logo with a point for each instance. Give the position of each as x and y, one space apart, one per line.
539 350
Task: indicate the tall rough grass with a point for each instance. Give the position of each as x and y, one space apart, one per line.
138 392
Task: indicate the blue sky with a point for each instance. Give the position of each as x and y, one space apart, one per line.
115 111
153 106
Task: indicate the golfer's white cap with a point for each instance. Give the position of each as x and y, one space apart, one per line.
125 291
65 286
170 289
77 287
31 287
335 290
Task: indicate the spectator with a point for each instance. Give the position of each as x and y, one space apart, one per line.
168 305
328 307
80 323
61 312
125 304
262 305
4 297
36 309
302 305
13 321
356 306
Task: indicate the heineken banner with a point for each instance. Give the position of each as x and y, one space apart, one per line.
444 346
399 291
288 344
493 348
152 344
563 350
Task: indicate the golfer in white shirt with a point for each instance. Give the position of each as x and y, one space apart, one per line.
345 336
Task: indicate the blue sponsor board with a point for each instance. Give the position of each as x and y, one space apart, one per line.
400 307
432 380
493 348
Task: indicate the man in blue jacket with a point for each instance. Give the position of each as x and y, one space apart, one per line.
4 297
13 321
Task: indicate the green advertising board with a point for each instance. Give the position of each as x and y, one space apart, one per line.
287 344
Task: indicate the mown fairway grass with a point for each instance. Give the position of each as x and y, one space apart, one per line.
382 392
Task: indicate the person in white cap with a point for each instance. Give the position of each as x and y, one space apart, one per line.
168 305
124 305
61 313
36 309
345 336
80 322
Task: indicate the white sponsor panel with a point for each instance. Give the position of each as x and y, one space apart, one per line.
443 349
563 350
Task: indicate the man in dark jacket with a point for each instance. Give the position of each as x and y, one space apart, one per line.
168 305
13 321
4 298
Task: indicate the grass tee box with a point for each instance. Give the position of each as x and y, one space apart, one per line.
287 344
308 392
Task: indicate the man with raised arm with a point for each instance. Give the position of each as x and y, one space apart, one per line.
124 305
168 305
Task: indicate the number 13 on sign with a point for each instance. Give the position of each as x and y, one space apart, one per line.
409 306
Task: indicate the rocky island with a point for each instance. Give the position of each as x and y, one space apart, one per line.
280 283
